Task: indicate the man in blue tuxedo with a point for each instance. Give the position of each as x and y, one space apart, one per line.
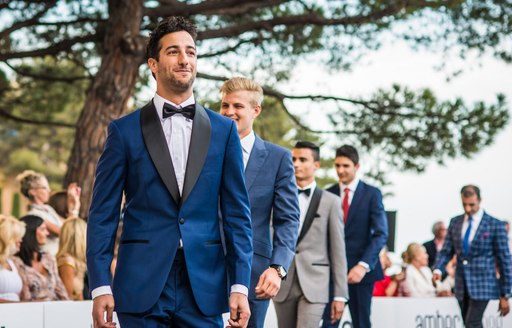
366 232
481 245
270 181
178 166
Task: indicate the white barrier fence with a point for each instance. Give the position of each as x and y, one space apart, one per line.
386 313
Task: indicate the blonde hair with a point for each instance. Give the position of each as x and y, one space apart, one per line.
240 83
28 180
72 239
11 231
412 251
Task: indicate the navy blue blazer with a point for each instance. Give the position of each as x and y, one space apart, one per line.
488 252
270 181
366 229
136 162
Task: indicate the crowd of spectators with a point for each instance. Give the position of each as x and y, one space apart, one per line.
42 254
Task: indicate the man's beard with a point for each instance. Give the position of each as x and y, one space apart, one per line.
180 85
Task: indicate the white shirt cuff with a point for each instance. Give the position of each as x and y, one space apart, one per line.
102 290
437 271
340 299
365 265
237 288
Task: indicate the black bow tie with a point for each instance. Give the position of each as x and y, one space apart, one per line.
187 111
307 192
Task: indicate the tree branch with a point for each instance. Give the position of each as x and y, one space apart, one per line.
34 19
46 77
212 7
4 113
63 45
230 49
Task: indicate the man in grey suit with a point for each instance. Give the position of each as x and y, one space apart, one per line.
320 251
270 181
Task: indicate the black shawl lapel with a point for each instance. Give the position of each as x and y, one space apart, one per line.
258 155
311 213
199 144
155 142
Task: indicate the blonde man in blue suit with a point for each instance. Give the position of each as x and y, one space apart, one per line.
481 245
270 181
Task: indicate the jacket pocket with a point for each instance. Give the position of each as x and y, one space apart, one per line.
212 242
320 264
135 241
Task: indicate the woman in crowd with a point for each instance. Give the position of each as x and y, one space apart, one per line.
35 187
71 257
38 270
418 276
11 232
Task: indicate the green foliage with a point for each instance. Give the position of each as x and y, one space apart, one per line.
16 205
40 147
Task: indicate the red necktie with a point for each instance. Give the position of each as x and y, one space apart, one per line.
345 206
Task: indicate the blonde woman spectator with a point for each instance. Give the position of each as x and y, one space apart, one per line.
71 257
418 276
38 269
11 232
35 187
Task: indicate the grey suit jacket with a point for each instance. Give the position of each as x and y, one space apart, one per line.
320 237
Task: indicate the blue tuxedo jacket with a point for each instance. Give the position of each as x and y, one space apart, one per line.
366 229
270 181
488 252
136 161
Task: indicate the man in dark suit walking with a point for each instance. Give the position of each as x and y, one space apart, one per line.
320 250
434 246
178 165
270 181
366 233
481 245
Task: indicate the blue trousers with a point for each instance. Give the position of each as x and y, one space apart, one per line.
176 307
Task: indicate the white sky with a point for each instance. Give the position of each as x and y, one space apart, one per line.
422 199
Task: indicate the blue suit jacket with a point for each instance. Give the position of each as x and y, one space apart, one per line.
136 161
270 181
488 251
366 229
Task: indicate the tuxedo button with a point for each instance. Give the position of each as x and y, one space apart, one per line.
465 262
182 220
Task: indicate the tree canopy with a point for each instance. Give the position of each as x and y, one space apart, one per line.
83 60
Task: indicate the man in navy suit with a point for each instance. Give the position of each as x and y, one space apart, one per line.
434 246
270 181
366 232
481 245
178 165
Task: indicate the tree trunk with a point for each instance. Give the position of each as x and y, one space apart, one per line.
106 100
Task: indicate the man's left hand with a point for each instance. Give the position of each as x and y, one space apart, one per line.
269 284
504 307
356 274
239 311
337 308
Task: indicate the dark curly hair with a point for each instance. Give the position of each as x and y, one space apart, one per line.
166 26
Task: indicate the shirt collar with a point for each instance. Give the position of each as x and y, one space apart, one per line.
352 186
477 217
248 142
159 102
311 186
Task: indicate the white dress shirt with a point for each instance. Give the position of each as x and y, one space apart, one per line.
178 131
477 217
304 202
247 144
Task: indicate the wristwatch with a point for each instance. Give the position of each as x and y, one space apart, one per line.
281 272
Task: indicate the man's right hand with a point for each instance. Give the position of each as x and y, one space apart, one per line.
435 278
100 305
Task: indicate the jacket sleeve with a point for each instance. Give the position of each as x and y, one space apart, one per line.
285 214
379 227
235 208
